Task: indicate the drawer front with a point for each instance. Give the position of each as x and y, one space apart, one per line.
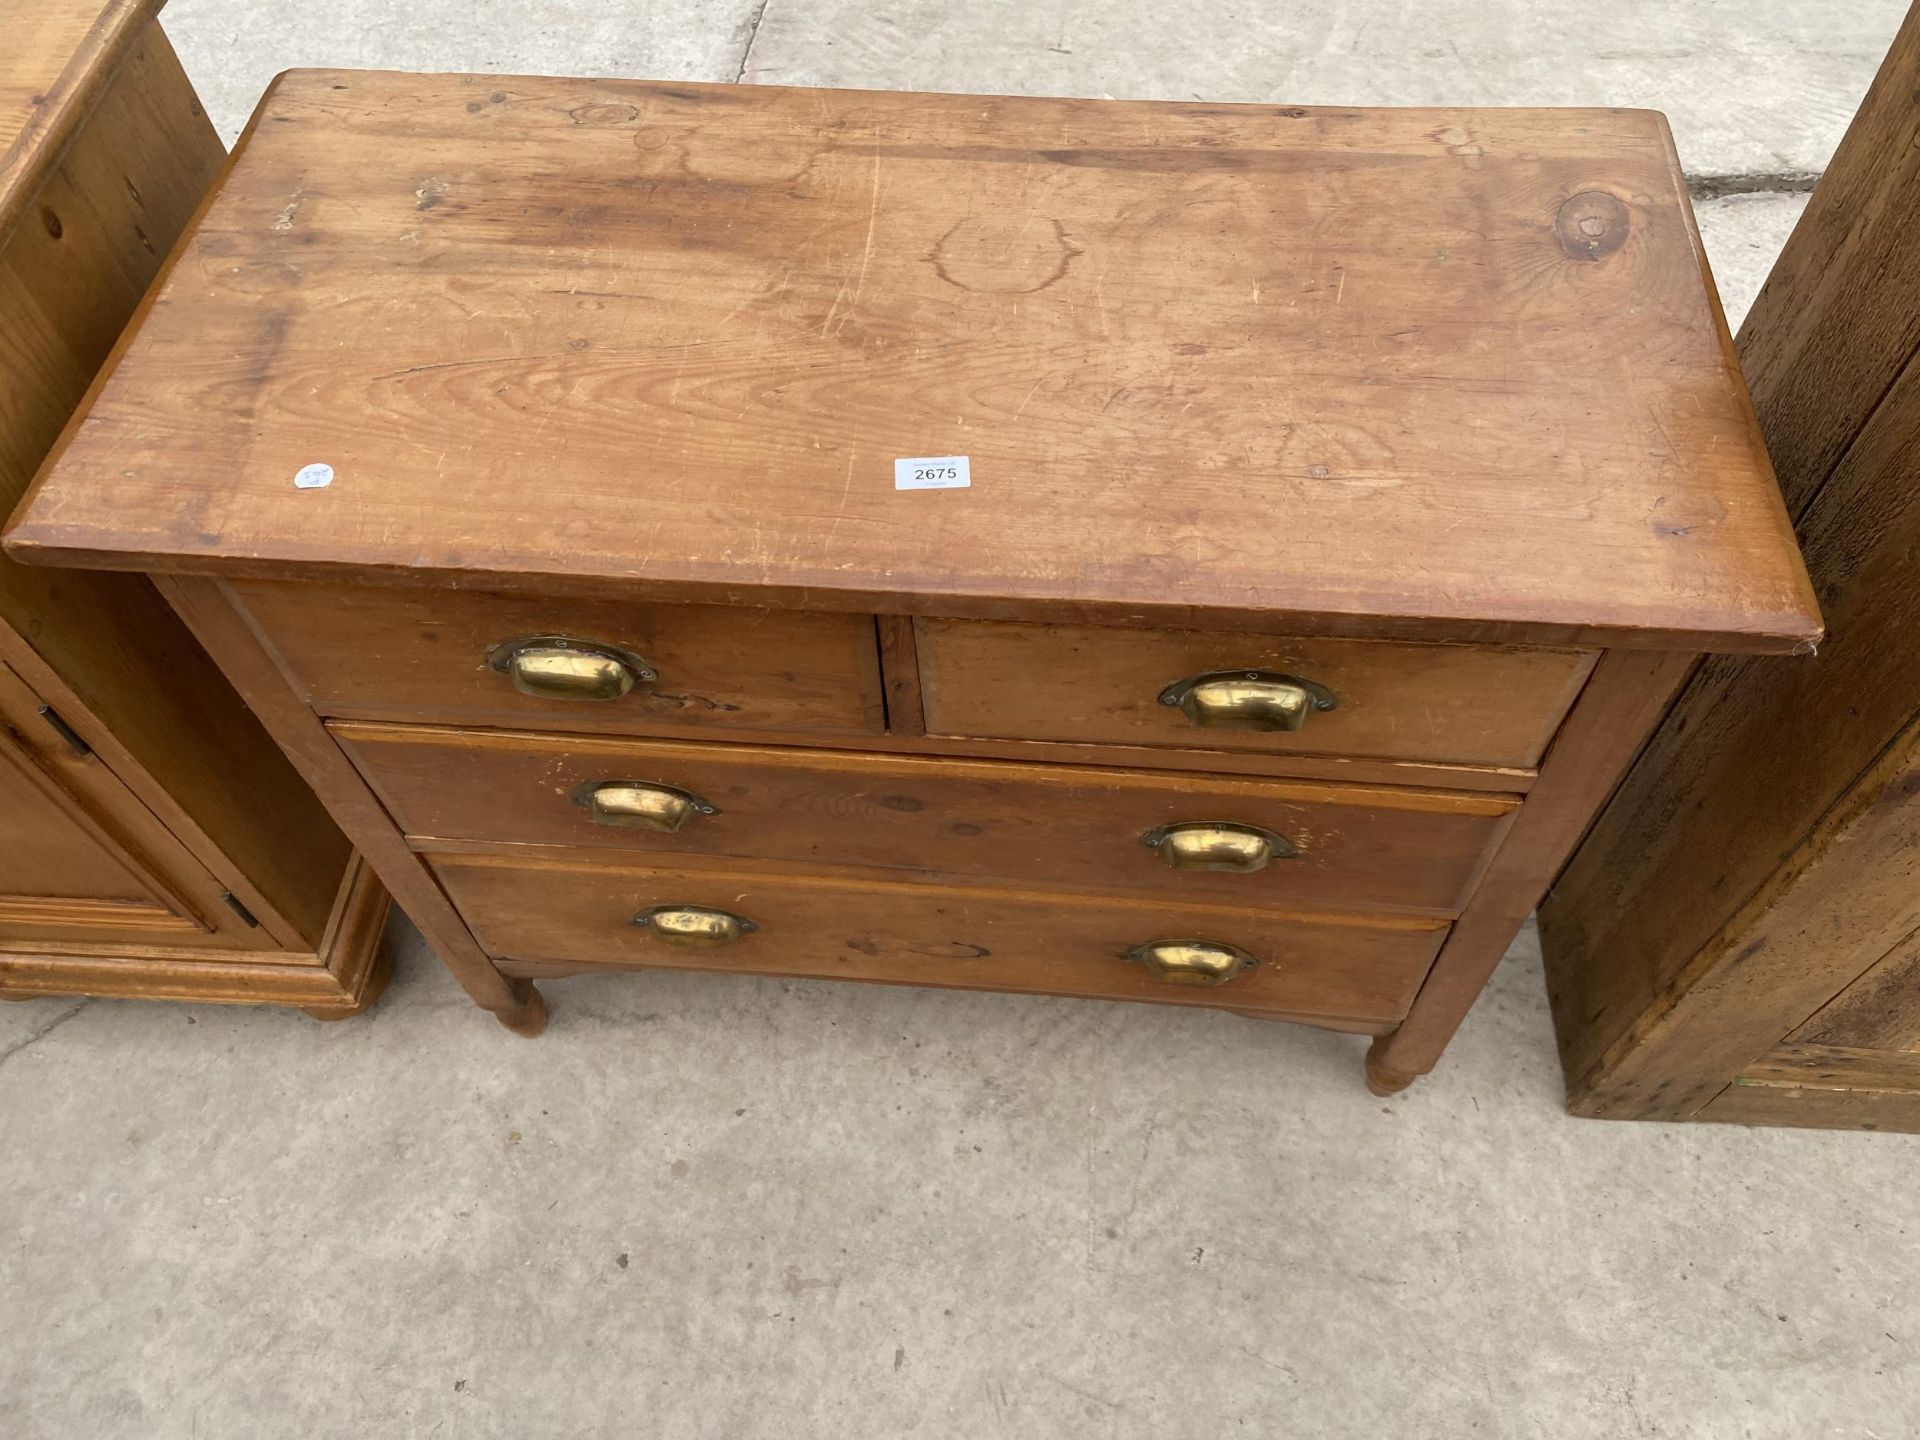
1075 827
447 656
1451 704
581 909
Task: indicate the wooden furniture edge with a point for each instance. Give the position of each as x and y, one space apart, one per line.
36 152
1085 893
1743 397
1170 762
569 970
1825 1086
1836 1067
352 952
1750 986
577 858
1624 699
222 627
1410 795
1801 1107
345 976
27 541
1836 277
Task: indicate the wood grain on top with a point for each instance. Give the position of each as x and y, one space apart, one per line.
1450 373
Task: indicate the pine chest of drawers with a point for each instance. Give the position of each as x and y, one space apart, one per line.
1219 555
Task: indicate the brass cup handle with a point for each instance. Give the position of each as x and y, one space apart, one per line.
1217 845
694 925
640 804
1192 962
555 667
1247 699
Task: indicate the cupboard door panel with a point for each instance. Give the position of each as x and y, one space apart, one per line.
81 859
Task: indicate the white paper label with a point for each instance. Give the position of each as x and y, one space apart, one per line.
938 472
312 477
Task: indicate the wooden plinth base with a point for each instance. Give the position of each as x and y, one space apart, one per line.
344 976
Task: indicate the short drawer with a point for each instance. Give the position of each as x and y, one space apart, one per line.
1452 704
1074 827
575 909
452 656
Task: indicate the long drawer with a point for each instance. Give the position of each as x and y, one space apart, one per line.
1076 827
1454 704
581 908
479 659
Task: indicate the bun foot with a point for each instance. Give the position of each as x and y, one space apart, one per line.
529 1016
1384 1080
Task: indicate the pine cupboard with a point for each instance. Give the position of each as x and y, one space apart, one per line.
1739 938
154 841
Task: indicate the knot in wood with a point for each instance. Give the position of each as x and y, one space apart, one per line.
1592 225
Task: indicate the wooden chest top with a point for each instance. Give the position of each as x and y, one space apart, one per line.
1446 373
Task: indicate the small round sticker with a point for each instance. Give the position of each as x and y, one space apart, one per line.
312 477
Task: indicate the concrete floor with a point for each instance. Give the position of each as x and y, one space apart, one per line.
712 1207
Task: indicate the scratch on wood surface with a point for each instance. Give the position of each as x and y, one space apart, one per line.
846 493
826 325
558 401
866 254
447 365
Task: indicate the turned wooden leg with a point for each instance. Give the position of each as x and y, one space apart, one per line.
529 1016
1622 702
1384 1079
1381 1079
228 635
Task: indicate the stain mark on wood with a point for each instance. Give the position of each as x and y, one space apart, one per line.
990 255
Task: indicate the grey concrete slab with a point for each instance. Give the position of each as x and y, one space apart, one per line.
1760 87
1743 235
232 48
706 1206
